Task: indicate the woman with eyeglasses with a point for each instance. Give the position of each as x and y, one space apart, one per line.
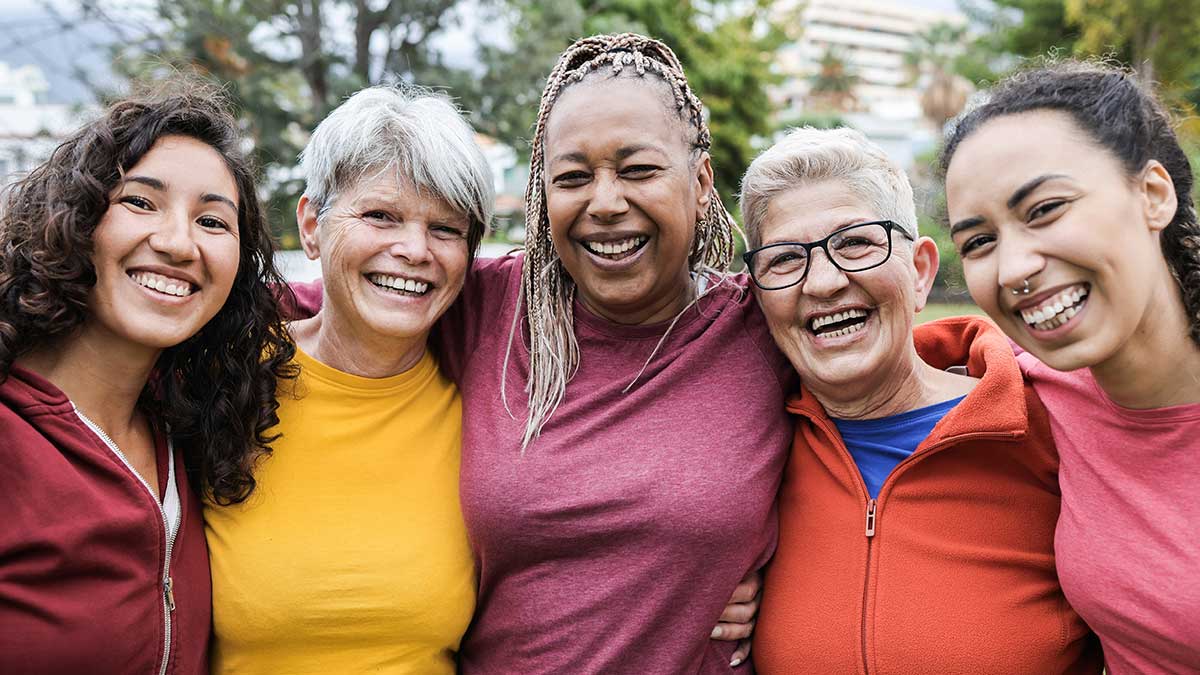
918 507
1083 246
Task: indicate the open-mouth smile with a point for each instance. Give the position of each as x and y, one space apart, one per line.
1057 309
400 285
837 324
163 284
615 250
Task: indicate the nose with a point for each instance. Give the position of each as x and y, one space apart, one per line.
1017 259
173 237
823 279
411 243
607 202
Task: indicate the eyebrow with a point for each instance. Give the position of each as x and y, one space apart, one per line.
1017 197
206 198
622 153
1022 192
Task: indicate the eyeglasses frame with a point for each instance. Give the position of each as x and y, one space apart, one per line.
888 225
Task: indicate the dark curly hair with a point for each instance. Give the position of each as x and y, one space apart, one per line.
1122 115
214 392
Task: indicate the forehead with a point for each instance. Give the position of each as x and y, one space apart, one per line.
389 188
810 211
188 165
1006 152
601 110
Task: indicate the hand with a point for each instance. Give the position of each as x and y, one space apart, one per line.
737 621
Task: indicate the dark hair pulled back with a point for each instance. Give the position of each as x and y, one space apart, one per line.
214 392
1122 115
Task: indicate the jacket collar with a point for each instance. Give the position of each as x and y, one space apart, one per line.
997 403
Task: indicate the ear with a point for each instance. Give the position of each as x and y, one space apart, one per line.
926 262
1158 191
704 185
306 221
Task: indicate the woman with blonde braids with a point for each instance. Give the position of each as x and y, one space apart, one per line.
623 432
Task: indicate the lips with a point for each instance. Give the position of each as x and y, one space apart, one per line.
1056 309
161 283
838 323
400 284
616 249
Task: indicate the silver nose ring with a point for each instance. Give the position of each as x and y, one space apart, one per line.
1024 290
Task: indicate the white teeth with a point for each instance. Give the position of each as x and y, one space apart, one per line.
845 331
1056 310
399 283
820 321
165 285
614 247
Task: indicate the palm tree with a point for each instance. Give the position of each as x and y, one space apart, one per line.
832 87
931 63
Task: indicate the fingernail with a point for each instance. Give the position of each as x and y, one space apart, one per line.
737 661
716 632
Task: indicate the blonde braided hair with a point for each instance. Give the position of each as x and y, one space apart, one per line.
548 291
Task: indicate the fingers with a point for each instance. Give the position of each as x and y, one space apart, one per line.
741 654
741 612
733 631
748 588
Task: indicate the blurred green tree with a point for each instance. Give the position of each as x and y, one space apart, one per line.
726 46
286 63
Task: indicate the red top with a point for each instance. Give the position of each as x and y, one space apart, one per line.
951 569
83 546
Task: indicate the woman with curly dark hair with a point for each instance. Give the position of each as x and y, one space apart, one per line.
1070 202
138 336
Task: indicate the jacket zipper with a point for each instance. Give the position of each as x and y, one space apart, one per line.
169 533
867 577
872 519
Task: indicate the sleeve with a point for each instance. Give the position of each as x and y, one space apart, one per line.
300 300
482 312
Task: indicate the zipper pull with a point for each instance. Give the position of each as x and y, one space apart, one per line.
170 594
871 518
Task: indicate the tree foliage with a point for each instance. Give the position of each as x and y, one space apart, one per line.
286 63
726 46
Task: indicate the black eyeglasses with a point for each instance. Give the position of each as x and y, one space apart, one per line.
851 249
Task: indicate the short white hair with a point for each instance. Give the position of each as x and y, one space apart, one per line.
807 155
405 128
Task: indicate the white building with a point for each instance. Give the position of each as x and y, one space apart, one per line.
29 128
872 38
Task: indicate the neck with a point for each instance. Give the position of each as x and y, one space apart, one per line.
103 376
338 345
661 309
908 384
1159 365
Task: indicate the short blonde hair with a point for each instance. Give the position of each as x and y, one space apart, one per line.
808 155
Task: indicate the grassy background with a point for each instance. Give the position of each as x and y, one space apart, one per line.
941 310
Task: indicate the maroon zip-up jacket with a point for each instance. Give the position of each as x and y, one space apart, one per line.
83 548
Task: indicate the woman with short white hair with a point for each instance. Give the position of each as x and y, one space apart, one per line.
351 554
917 510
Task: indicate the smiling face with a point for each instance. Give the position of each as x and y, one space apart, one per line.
623 194
393 258
843 331
1059 211
166 251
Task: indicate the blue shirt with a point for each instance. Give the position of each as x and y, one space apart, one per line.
878 445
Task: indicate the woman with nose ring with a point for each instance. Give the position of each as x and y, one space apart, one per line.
917 511
1082 244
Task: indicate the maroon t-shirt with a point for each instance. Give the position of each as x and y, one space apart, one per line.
612 544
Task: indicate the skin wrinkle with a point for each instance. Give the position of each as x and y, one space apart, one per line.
547 291
876 372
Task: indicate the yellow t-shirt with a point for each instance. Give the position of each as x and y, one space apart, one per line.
351 555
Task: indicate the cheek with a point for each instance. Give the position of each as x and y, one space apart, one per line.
452 256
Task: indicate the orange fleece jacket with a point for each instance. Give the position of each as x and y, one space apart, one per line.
957 575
